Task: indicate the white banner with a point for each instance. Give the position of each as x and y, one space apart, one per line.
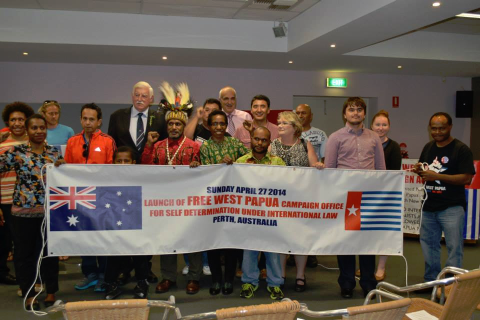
145 210
413 198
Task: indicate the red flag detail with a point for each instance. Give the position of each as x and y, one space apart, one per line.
352 210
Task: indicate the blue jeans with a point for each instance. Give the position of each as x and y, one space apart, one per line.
251 272
451 222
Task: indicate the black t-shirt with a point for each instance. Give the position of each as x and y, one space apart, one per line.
202 134
454 158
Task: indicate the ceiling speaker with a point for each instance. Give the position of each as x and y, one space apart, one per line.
280 31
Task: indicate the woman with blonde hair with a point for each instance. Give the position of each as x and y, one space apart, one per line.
294 151
393 161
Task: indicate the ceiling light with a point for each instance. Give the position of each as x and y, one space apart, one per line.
436 4
399 67
332 45
25 53
468 15
164 58
290 61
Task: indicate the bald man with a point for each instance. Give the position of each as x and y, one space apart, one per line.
317 137
228 98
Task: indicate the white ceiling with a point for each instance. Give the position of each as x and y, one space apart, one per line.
371 36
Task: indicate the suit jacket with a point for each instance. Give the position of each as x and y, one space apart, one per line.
119 128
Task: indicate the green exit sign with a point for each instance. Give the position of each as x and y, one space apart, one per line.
336 82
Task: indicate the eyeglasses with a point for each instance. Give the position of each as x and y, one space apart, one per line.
85 150
48 102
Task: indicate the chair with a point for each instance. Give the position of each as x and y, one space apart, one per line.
132 309
464 296
285 310
392 310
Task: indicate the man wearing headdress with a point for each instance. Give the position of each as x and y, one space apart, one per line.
177 149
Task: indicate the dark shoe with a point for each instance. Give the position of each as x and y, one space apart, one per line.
312 261
347 293
123 278
300 287
291 261
193 286
112 291
8 279
164 286
152 278
365 293
35 306
48 303
141 289
215 289
227 288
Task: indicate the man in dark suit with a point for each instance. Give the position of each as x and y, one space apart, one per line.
130 126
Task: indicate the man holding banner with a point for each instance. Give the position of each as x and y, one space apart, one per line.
177 149
446 164
260 142
355 147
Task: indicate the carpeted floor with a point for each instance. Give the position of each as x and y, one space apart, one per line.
322 291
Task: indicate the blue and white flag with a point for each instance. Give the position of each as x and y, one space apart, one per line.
95 208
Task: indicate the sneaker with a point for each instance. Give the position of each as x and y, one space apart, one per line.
185 270
206 271
276 293
99 287
141 289
248 290
90 281
112 291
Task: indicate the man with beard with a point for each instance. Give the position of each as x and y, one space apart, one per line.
260 105
446 164
177 149
355 147
14 116
228 98
260 155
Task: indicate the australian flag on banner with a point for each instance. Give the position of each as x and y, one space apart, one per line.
374 210
95 208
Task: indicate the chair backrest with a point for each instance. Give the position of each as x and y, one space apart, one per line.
392 310
464 296
133 309
285 310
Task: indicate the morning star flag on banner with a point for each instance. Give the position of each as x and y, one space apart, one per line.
374 210
95 208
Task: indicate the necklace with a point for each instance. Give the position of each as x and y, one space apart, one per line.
282 146
170 160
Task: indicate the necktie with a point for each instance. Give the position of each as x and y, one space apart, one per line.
140 132
231 125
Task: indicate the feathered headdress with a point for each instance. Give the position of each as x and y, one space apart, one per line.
177 104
